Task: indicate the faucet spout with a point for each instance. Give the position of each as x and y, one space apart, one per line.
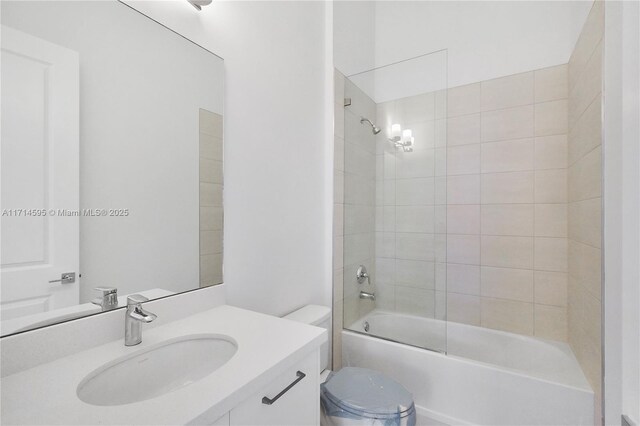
141 315
133 319
369 296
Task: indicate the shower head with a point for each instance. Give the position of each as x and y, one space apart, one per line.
375 129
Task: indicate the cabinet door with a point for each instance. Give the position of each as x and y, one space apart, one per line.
298 406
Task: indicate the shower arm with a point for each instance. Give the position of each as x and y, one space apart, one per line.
375 129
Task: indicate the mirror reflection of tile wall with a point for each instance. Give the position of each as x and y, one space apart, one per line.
211 185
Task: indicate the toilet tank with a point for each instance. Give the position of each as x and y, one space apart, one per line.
320 316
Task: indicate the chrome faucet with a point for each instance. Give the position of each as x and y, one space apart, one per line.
369 296
108 300
134 318
361 275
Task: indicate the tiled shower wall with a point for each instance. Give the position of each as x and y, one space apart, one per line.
211 185
502 160
411 208
482 216
506 203
585 198
354 199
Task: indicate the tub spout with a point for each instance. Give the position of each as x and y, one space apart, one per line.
365 295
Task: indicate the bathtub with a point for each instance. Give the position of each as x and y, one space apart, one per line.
485 377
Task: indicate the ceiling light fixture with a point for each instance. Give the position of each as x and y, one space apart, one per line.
199 3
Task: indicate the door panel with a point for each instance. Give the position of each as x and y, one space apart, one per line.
39 160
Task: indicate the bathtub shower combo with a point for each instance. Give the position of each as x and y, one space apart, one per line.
441 290
531 380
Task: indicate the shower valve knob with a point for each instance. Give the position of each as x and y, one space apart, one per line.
361 275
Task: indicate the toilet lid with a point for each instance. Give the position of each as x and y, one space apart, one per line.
360 390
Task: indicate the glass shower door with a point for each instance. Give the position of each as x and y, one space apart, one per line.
394 276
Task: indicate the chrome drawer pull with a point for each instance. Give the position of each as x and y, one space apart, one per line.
269 401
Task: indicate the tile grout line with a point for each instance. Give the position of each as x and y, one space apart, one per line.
535 176
583 68
599 146
480 112
570 127
480 219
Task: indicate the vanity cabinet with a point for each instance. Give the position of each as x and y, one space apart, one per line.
293 398
272 378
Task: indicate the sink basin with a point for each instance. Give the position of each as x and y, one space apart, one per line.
156 370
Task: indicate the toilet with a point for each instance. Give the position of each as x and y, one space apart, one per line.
352 395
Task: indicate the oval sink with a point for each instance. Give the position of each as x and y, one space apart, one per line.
156 370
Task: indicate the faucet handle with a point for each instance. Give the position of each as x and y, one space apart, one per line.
135 299
106 290
361 275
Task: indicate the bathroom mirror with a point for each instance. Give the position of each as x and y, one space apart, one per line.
111 161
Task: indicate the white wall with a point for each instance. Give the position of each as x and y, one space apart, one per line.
485 39
354 36
621 203
631 243
276 227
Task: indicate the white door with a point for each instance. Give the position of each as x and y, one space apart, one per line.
39 168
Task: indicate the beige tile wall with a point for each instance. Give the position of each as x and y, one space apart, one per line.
584 196
359 202
354 198
480 207
411 207
211 186
507 203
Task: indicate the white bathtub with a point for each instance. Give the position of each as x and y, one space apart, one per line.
487 376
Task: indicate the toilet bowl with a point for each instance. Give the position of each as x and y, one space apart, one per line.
356 396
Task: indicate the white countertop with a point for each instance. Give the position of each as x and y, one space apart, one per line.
46 394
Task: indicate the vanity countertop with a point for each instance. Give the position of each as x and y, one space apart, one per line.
46 394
